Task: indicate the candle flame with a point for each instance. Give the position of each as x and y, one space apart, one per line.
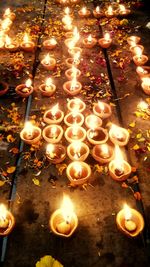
101 105
3 212
74 72
71 44
50 150
54 109
48 82
7 12
28 83
67 10
116 131
107 36
143 105
53 131
76 57
73 84
110 10
141 70
127 212
118 159
28 127
83 10
6 23
8 40
76 148
122 8
89 38
146 81
97 9
53 41
75 129
67 208
47 59
105 149
138 51
78 169
67 20
26 38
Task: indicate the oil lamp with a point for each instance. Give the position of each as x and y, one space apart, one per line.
109 12
135 50
27 44
97 12
133 40
119 169
24 90
74 117
7 221
130 221
10 45
139 59
30 134
47 88
106 41
76 104
52 133
73 61
78 151
143 71
74 133
64 221
53 115
118 135
103 153
123 11
48 62
146 85
84 12
56 153
73 50
9 14
97 135
50 44
72 73
89 42
67 19
102 110
91 120
5 25
78 172
72 87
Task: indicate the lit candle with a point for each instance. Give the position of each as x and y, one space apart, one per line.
91 120
48 62
50 43
26 89
53 115
67 20
67 11
89 42
139 59
97 135
143 106
106 41
78 172
30 134
72 73
10 45
118 135
49 86
27 44
146 85
78 151
72 87
137 49
123 10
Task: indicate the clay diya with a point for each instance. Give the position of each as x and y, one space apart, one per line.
27 44
74 117
70 42
118 135
24 90
139 59
68 27
76 104
102 110
91 120
106 41
67 20
123 11
78 172
72 73
74 133
109 13
10 45
84 12
78 151
48 62
3 88
53 115
73 61
67 11
5 25
55 153
7 221
146 85
9 14
72 87
143 71
133 40
89 42
64 221
97 135
30 134
137 49
130 221
74 50
53 133
98 13
103 153
50 44
47 88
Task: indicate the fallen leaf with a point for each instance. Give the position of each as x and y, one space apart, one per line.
11 169
132 124
136 147
36 181
2 183
10 138
14 150
48 261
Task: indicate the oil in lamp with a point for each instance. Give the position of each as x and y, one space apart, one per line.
76 104
103 153
74 133
84 12
50 43
72 87
72 73
26 89
143 71
78 172
27 44
74 117
102 110
91 120
63 222
78 151
53 115
56 153
97 135
97 12
10 45
119 169
118 135
130 221
30 134
106 41
48 62
146 85
7 221
89 42
52 133
47 88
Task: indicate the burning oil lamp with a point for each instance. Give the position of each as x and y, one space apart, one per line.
53 133
106 41
76 104
97 135
5 25
48 62
84 12
97 12
30 134
50 44
53 115
119 169
56 153
7 221
70 42
91 120
72 73
103 153
74 133
67 11
72 87
74 49
67 20
118 135
143 71
73 61
89 42
10 45
102 110
78 172
135 50
3 88
26 89
146 85
74 117
133 40
109 12
123 11
2 40
78 151
139 59
27 44
130 221
47 88
64 221
9 14
74 34
143 106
